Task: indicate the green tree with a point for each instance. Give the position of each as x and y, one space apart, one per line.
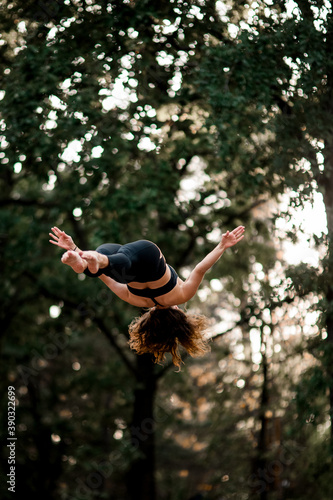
273 117
108 133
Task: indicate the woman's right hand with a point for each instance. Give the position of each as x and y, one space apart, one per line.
229 239
61 239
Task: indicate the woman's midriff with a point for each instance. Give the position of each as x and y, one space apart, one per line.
153 284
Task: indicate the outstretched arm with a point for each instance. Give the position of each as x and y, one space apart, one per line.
228 240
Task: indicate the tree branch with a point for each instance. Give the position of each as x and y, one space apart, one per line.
27 203
102 326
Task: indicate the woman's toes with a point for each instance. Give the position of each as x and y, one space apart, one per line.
93 265
91 260
73 260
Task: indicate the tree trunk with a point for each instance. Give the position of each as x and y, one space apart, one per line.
259 479
48 466
327 188
141 474
261 460
328 360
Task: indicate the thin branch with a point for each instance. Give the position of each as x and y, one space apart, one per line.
27 203
102 326
166 368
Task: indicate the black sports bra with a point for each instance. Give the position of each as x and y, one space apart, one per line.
151 293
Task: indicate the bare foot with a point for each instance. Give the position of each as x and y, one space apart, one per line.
95 260
73 260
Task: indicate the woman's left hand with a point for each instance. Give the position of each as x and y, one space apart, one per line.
61 239
229 239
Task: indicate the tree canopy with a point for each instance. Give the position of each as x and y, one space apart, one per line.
171 121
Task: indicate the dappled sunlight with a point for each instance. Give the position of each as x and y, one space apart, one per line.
305 222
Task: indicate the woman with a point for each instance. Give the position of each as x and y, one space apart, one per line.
138 274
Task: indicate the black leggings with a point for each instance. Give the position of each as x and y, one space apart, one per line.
139 261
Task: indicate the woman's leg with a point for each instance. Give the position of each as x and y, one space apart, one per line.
90 260
104 260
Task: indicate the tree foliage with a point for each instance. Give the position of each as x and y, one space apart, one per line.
128 120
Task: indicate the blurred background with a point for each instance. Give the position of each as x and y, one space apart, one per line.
172 121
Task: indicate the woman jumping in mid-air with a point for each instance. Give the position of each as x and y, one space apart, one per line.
138 274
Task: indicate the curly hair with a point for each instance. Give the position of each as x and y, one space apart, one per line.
159 331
